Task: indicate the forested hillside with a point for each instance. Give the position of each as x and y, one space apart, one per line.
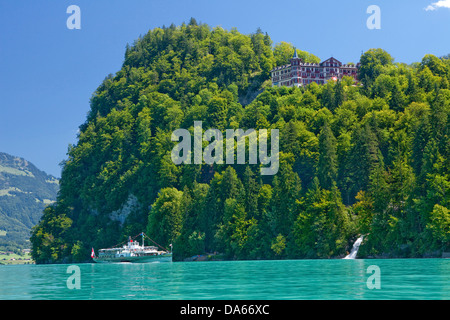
24 193
367 159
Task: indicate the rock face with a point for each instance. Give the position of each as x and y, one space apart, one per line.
121 214
24 192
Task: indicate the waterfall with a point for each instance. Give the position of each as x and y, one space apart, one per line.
355 248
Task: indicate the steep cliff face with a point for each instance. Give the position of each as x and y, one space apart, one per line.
24 193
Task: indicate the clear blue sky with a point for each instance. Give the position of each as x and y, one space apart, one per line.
48 72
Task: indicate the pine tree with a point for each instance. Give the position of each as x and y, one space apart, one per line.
363 157
251 189
286 191
322 225
420 140
327 166
397 101
412 91
222 187
327 98
339 95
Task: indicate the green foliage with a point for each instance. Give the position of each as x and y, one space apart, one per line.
278 245
49 244
439 225
323 224
327 166
165 219
369 159
372 63
284 51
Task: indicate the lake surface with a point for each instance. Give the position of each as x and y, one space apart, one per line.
252 280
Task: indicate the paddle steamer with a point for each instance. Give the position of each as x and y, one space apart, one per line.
132 252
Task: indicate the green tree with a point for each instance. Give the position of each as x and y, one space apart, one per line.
439 226
192 238
222 187
235 234
251 189
436 65
284 51
327 166
49 237
286 191
363 157
372 62
397 101
165 219
322 225
339 95
278 245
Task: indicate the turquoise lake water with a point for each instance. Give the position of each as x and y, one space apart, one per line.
277 280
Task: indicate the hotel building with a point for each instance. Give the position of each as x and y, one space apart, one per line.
298 73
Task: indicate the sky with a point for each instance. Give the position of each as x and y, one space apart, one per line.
48 72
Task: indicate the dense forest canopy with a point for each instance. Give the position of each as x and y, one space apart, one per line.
368 159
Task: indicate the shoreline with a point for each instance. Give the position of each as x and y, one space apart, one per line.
32 262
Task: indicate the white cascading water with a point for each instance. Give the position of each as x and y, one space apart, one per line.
355 248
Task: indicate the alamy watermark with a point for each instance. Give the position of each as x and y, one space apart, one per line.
214 151
374 20
74 280
374 280
74 20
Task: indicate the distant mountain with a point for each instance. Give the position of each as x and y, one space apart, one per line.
24 193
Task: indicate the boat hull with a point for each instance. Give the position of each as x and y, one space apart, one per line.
143 259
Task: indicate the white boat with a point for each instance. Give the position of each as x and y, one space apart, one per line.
132 252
